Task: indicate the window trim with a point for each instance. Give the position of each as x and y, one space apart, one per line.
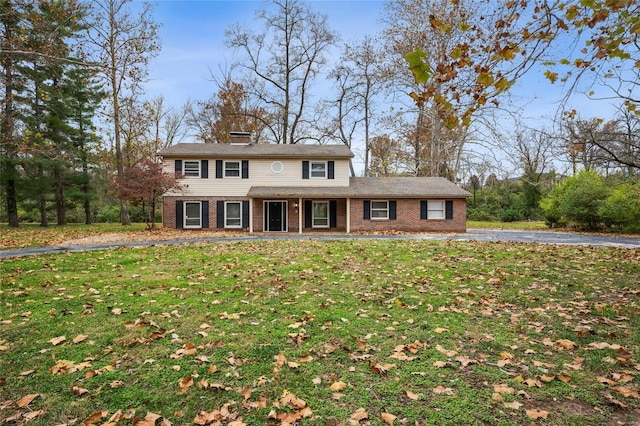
185 217
324 170
184 168
372 209
225 170
314 217
441 210
226 215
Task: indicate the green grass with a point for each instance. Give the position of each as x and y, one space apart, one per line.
423 330
527 225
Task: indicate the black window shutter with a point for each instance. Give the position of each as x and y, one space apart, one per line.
305 170
331 169
367 209
220 214
179 214
218 169
245 214
308 213
448 208
205 214
178 167
333 214
245 169
423 209
392 209
204 169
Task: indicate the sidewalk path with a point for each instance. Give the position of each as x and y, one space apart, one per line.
539 237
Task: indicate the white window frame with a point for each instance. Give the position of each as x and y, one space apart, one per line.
227 170
186 218
311 170
316 221
379 209
227 218
191 171
435 209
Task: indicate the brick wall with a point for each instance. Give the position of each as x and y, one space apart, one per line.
169 209
408 218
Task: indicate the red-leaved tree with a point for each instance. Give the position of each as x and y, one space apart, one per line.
143 185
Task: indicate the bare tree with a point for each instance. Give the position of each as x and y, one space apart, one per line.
359 78
282 61
122 42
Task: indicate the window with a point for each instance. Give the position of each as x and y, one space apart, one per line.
233 214
191 168
320 214
192 214
231 169
318 169
435 209
379 210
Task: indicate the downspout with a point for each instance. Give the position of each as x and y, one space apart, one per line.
300 214
348 215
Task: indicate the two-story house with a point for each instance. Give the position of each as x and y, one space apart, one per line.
300 188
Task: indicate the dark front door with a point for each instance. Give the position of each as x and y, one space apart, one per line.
276 216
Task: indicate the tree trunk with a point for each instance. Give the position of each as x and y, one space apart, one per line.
60 206
42 203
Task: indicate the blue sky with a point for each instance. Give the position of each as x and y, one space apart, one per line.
192 35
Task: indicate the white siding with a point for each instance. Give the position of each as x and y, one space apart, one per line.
260 174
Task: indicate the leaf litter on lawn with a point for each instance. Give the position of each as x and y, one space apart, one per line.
322 332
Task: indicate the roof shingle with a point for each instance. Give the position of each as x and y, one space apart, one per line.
261 150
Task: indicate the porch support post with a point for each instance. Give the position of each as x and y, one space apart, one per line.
300 215
348 215
251 215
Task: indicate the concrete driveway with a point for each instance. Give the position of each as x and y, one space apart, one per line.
539 237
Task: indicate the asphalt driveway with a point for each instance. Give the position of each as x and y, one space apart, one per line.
539 237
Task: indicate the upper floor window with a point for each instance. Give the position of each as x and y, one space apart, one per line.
318 169
191 168
232 169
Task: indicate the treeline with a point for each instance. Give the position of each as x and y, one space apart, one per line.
422 97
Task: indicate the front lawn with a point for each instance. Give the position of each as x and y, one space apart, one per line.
322 333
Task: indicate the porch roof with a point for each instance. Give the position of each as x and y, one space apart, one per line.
369 187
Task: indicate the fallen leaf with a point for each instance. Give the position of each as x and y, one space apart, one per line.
413 396
625 391
27 399
32 415
440 330
185 383
57 340
388 418
513 405
149 419
317 381
76 390
537 414
116 311
338 386
502 388
567 344
360 414
441 390
80 338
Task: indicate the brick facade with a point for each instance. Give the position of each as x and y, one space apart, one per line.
407 216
